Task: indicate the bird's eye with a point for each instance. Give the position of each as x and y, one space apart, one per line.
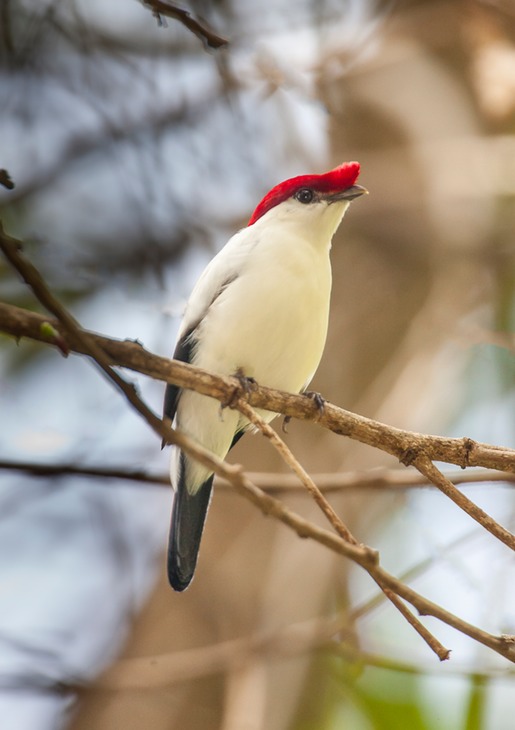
305 195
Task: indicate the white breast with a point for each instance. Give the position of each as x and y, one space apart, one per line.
271 321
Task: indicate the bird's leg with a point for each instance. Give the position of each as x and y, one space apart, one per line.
316 397
318 400
246 385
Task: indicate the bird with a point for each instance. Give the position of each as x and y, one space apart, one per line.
259 311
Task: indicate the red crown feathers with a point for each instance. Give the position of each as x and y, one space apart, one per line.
341 178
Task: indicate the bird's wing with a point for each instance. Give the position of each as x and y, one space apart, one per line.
221 271
224 268
183 352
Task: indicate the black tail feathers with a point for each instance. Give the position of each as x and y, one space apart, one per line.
188 517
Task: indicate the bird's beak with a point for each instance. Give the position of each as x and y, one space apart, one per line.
349 194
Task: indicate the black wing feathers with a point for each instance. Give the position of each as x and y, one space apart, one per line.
183 352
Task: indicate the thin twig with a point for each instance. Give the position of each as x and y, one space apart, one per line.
436 646
272 482
297 469
201 30
44 470
431 472
337 523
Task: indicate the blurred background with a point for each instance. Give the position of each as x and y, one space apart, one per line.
136 153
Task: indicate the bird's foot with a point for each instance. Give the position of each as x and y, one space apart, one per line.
318 400
246 386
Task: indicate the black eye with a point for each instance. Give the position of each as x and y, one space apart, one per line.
305 195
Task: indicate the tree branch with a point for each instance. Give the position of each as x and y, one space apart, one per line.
370 432
402 444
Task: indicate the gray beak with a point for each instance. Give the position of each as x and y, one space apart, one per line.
353 192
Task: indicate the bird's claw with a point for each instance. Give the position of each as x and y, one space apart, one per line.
246 386
317 399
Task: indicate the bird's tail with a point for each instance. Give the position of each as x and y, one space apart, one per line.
188 517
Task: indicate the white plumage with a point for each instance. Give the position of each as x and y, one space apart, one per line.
269 322
260 309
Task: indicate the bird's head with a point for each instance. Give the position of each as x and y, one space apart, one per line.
315 202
